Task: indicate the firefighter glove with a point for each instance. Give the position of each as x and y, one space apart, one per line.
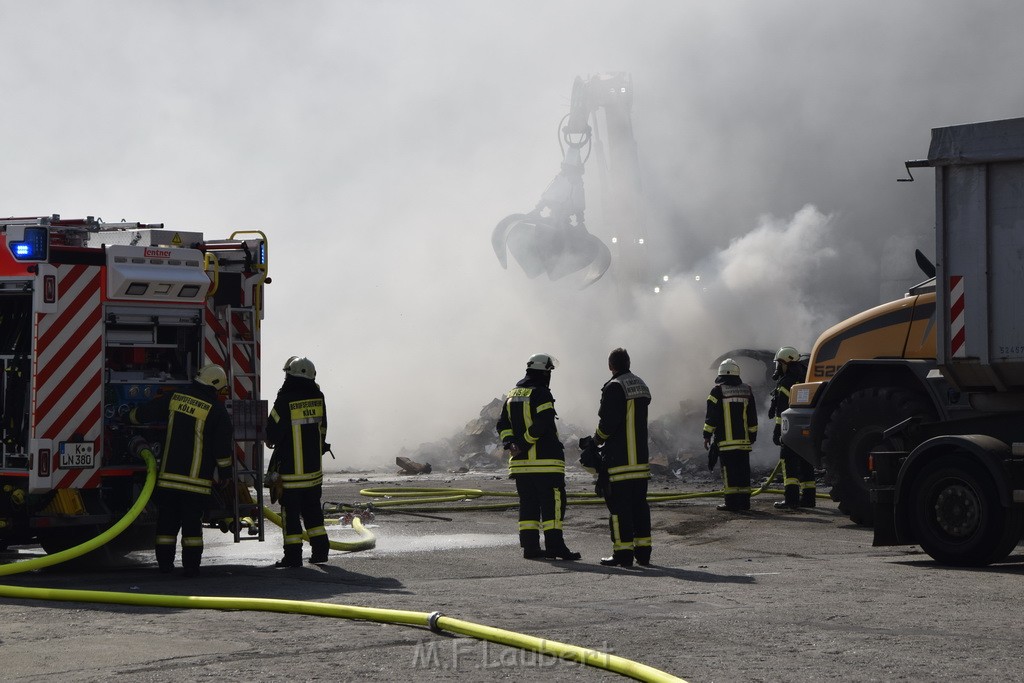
276 486
712 458
516 446
777 435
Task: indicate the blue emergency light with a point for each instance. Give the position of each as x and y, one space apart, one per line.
34 245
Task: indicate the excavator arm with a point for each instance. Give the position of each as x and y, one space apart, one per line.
553 237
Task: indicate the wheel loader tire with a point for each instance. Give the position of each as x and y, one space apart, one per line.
957 516
855 428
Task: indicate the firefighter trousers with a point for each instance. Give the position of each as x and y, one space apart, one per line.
541 508
179 510
736 479
298 507
629 519
798 477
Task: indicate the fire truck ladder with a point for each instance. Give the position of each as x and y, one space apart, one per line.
249 417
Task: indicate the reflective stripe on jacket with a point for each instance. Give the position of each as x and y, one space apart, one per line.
731 417
199 437
528 419
297 430
623 427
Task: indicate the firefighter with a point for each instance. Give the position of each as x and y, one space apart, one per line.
199 438
622 431
297 431
730 429
797 473
536 460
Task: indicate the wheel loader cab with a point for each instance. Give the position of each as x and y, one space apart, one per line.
864 375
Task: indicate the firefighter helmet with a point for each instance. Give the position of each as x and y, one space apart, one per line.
787 354
212 376
301 367
542 361
289 362
729 368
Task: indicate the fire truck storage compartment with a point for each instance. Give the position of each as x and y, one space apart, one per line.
148 352
15 372
152 346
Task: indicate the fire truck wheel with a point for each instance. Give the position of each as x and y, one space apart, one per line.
957 516
56 540
855 429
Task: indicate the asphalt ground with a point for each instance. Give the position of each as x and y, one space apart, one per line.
766 595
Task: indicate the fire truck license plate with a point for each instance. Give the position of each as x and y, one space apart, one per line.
76 455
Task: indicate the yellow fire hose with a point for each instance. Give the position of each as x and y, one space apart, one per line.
421 499
366 542
434 621
93 543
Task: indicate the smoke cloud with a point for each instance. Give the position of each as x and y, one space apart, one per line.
378 144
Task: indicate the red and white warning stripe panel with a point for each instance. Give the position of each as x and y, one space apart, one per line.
244 358
69 358
67 396
957 332
215 337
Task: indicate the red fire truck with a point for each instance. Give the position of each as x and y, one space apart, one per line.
95 318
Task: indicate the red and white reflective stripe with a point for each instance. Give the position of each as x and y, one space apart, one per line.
68 384
215 341
957 334
215 338
78 479
242 368
242 359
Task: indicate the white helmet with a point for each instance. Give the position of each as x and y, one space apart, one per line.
212 376
729 368
787 354
289 362
301 367
542 361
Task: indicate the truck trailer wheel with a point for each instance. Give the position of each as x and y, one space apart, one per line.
957 517
854 430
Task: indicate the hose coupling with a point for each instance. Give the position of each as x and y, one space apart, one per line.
432 622
137 445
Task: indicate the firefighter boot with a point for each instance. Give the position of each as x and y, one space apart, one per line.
792 500
808 498
619 558
642 555
529 541
165 558
320 546
555 548
735 502
292 556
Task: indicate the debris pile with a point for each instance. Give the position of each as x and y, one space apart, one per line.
675 446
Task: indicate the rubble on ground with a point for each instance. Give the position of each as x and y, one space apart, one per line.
411 467
676 450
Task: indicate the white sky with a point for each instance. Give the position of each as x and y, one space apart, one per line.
377 143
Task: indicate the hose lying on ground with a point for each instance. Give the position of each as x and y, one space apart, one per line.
434 621
366 542
422 499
